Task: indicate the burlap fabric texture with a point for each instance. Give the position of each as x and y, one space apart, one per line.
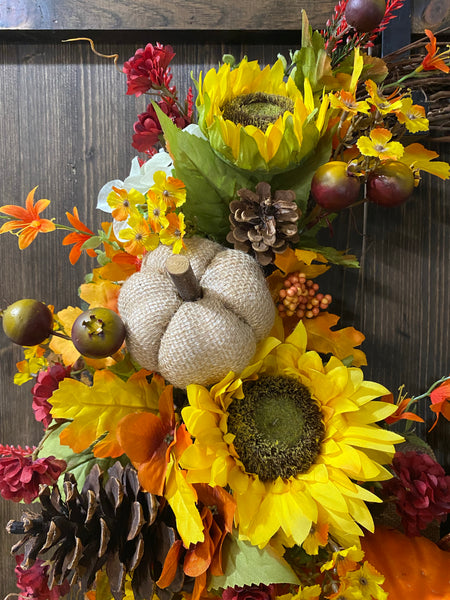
200 341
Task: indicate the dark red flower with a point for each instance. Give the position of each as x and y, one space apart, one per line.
46 383
21 476
148 128
249 592
148 68
422 490
33 582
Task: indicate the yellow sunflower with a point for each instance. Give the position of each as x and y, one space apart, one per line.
290 436
257 120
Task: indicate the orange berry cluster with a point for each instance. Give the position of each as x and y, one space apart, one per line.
300 297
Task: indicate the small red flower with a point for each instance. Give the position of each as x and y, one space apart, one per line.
421 488
33 582
148 128
46 383
249 592
148 68
21 476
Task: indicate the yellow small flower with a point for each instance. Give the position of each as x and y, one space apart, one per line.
379 145
124 203
173 234
309 592
34 361
171 190
412 116
384 104
157 208
318 536
347 101
344 560
142 238
368 581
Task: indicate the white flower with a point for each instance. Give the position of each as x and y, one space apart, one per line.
140 178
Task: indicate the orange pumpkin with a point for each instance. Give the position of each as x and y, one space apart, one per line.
414 567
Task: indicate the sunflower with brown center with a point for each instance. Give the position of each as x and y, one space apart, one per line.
290 436
256 119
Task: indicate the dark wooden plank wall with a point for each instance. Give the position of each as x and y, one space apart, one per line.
66 125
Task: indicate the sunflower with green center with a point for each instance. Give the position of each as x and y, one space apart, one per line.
255 119
290 436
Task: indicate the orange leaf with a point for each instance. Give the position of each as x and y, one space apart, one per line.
170 565
341 343
199 586
142 437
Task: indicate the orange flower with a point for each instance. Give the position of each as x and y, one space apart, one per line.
440 401
148 441
433 60
29 222
77 237
401 413
204 557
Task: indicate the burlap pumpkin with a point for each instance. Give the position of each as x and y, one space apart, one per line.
200 341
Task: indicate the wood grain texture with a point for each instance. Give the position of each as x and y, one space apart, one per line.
155 14
66 125
285 15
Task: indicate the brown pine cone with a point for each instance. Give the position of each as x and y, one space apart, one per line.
263 225
111 523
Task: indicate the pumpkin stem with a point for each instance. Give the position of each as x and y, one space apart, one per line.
180 271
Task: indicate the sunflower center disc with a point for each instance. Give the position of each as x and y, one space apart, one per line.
256 109
277 426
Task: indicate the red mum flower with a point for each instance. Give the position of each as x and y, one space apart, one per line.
422 490
148 128
148 68
249 592
33 582
21 476
46 383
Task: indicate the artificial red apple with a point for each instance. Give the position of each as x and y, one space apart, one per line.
390 184
333 187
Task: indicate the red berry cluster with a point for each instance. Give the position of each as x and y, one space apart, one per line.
300 297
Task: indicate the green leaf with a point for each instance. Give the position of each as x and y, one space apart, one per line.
92 242
244 564
211 183
299 179
337 257
79 464
125 368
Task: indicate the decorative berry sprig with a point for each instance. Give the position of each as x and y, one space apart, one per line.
301 297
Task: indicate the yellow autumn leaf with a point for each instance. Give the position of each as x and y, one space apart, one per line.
101 292
182 499
341 343
295 260
98 408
